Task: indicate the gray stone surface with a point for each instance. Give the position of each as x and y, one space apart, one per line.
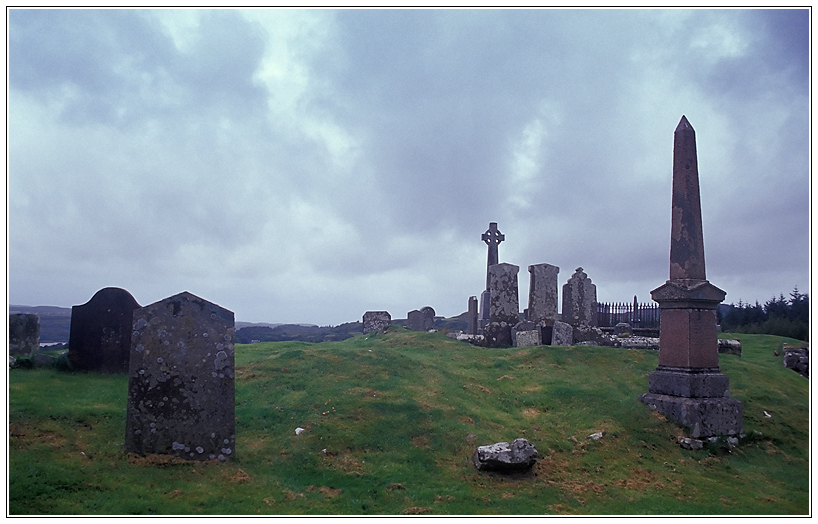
181 388
498 334
579 300
375 321
528 338
503 457
623 329
24 334
797 359
562 334
421 320
100 336
684 382
542 294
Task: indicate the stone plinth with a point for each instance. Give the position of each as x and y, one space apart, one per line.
181 389
100 336
504 312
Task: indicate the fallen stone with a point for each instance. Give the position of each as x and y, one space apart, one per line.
730 347
595 436
691 443
633 342
503 457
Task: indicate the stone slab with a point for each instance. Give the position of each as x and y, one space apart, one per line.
686 383
24 334
504 297
562 334
374 321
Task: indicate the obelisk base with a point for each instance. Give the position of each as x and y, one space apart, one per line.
706 417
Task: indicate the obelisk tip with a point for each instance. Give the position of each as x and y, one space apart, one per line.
683 124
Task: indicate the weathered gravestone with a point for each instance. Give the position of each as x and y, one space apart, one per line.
579 300
472 316
542 294
24 334
100 336
687 385
562 335
421 320
376 321
505 304
181 389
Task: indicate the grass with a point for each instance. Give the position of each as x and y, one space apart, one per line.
391 421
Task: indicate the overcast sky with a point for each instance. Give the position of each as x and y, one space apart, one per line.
310 165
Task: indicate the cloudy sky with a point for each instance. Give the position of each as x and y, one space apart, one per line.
310 165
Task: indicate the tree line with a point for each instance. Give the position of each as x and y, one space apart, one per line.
778 316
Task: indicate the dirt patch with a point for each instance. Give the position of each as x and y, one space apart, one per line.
344 462
162 460
420 442
415 510
240 476
329 492
21 435
531 412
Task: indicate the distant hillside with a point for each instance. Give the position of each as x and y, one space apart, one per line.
299 332
55 322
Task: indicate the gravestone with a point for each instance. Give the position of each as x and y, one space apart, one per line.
100 336
472 316
579 300
504 306
421 320
181 388
542 294
374 321
562 334
24 334
687 385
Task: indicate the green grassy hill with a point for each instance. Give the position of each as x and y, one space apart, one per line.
391 421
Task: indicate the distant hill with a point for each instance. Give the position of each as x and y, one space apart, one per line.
55 322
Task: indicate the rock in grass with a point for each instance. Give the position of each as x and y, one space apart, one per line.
503 457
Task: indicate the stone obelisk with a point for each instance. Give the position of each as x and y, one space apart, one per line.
687 385
492 237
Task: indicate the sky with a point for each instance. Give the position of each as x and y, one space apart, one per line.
307 166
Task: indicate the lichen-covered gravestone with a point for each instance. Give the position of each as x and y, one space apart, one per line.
181 390
100 337
579 300
374 321
24 334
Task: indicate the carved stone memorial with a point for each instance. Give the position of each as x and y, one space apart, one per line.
687 385
579 300
492 237
100 336
24 334
542 294
472 316
181 388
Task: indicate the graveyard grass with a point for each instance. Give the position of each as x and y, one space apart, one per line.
390 423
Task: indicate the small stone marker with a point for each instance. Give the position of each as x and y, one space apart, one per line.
374 321
24 334
502 457
421 320
100 336
181 389
687 385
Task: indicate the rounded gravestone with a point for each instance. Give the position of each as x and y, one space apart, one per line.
100 337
